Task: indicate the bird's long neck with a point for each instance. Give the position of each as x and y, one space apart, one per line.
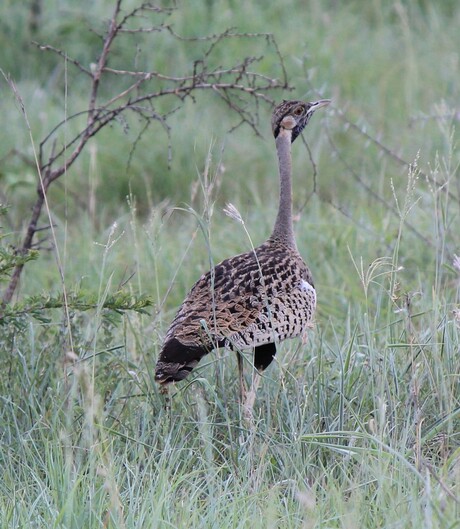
284 230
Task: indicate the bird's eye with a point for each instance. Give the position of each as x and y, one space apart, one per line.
298 111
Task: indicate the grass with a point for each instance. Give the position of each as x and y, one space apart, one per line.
360 427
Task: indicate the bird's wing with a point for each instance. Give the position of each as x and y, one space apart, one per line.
244 301
222 302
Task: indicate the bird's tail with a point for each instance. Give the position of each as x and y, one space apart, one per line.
177 360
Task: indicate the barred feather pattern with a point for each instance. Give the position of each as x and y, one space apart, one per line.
260 297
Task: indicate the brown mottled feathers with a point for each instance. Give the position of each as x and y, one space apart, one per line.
253 299
256 299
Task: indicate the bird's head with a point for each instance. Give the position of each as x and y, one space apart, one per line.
294 115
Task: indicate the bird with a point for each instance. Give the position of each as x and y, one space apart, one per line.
254 300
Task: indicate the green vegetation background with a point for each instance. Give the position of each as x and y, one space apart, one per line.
359 428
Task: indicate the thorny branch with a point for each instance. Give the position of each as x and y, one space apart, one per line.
370 191
440 186
238 87
391 154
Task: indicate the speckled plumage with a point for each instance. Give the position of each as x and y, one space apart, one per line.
252 300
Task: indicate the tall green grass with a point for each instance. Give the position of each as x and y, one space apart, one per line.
358 428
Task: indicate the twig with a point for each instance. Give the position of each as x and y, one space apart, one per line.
372 193
315 175
47 47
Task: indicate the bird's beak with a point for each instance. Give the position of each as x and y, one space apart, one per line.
319 104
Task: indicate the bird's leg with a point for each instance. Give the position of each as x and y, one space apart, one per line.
263 357
242 393
248 404
164 392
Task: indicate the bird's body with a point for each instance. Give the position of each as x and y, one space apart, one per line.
250 300
254 300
